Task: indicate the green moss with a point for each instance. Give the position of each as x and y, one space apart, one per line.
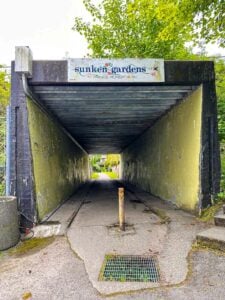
208 246
110 256
30 246
101 273
209 213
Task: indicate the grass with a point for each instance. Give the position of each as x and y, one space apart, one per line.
94 175
112 175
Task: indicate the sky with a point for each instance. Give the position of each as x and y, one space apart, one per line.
44 26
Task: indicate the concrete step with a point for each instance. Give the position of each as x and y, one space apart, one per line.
212 238
219 220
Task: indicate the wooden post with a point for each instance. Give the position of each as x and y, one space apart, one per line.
121 209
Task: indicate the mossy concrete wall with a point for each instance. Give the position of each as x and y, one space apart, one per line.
165 160
59 166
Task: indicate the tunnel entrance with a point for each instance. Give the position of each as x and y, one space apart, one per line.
165 132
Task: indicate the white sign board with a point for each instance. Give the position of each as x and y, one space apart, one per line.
116 70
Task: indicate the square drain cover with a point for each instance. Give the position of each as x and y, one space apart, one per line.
129 268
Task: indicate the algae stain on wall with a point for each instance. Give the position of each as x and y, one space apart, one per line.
166 159
59 165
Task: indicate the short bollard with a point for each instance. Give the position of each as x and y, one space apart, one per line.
224 209
121 209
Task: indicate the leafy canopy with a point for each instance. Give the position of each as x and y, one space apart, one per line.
4 98
151 28
4 91
207 20
220 89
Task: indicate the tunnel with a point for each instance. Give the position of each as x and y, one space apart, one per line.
166 133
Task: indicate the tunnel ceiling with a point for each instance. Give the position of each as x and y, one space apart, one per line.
105 119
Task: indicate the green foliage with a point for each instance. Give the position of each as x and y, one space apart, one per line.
112 160
94 175
209 213
221 195
103 163
96 167
95 161
220 89
4 92
135 28
4 98
207 20
151 28
2 154
95 158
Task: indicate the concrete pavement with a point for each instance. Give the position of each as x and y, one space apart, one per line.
56 273
103 176
93 235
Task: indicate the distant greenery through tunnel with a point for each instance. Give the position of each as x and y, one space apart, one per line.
108 164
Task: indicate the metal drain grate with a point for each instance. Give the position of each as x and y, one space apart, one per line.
129 268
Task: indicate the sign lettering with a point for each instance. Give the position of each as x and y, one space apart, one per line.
116 70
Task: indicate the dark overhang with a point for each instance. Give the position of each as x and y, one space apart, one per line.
105 118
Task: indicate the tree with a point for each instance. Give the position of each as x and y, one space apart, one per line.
152 28
220 90
95 161
138 28
112 160
4 98
158 28
207 20
4 91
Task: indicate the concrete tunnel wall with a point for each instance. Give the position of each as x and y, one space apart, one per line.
22 166
165 160
59 166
